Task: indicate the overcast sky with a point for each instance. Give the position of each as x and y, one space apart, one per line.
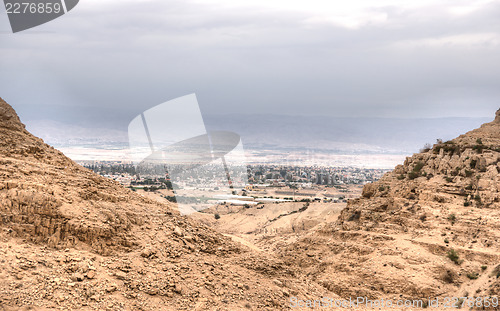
106 61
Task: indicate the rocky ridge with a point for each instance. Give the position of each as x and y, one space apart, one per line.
429 228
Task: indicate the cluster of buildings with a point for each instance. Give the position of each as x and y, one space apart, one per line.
307 176
263 175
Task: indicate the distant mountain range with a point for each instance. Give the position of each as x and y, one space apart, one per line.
65 135
341 135
287 133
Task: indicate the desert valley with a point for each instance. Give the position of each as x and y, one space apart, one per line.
71 239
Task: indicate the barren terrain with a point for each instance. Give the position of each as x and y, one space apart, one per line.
73 240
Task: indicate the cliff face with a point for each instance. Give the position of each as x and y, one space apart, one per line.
400 237
71 239
464 171
46 197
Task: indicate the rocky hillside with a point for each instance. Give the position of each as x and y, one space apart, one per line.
70 239
429 228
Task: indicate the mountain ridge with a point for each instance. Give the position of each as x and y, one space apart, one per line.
429 228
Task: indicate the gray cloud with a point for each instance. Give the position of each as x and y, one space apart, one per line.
105 63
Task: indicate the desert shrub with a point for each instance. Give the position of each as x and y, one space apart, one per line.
426 147
439 199
452 218
484 267
466 203
449 179
449 277
473 163
381 188
477 197
469 187
496 271
479 141
473 275
216 216
425 303
171 198
453 256
448 146
446 241
452 149
401 177
416 170
478 148
468 173
303 208
413 175
418 166
423 218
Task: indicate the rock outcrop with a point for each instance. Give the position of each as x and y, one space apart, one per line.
46 197
429 228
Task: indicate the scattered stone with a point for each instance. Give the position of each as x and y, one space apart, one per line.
77 277
178 231
120 275
148 252
91 274
111 288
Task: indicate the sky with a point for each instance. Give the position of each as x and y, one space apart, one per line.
106 61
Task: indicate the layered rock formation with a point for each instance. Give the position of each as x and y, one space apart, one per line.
70 239
46 197
429 228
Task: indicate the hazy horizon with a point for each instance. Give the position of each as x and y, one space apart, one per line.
275 138
108 61
104 63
